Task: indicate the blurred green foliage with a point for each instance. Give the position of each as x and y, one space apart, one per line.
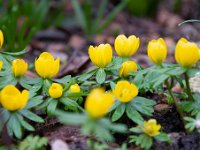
93 20
142 7
20 20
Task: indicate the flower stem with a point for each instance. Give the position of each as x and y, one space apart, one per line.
188 90
179 110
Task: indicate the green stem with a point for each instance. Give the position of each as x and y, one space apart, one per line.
188 90
175 102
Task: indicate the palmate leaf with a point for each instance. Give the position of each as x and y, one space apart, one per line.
119 111
31 116
143 141
14 126
34 101
143 105
100 76
52 107
191 106
138 106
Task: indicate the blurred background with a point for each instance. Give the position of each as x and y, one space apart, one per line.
67 27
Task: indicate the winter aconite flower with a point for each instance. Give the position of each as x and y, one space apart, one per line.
186 53
100 55
1 64
46 66
127 67
12 99
98 103
151 127
126 47
157 51
125 91
1 39
19 67
75 88
56 90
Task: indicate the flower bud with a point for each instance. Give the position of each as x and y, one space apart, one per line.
1 39
127 67
151 127
126 47
125 91
75 88
46 66
186 53
56 90
157 51
100 55
12 99
1 64
19 67
98 103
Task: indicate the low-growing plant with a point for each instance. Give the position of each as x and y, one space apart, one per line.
117 86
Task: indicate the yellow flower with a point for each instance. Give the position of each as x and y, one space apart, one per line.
1 64
125 91
125 47
186 53
100 55
157 51
127 67
75 88
98 103
19 67
12 99
46 66
56 90
1 39
151 127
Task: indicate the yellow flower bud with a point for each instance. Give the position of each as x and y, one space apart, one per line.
19 67
157 51
151 127
12 99
56 90
46 66
75 88
1 65
186 53
126 47
98 103
125 91
1 39
127 67
100 55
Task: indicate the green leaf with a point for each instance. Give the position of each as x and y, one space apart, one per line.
163 137
87 75
133 114
138 79
116 127
63 80
71 104
119 111
143 105
71 118
100 76
14 53
52 107
35 101
103 133
31 116
144 141
45 104
25 124
15 126
136 130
